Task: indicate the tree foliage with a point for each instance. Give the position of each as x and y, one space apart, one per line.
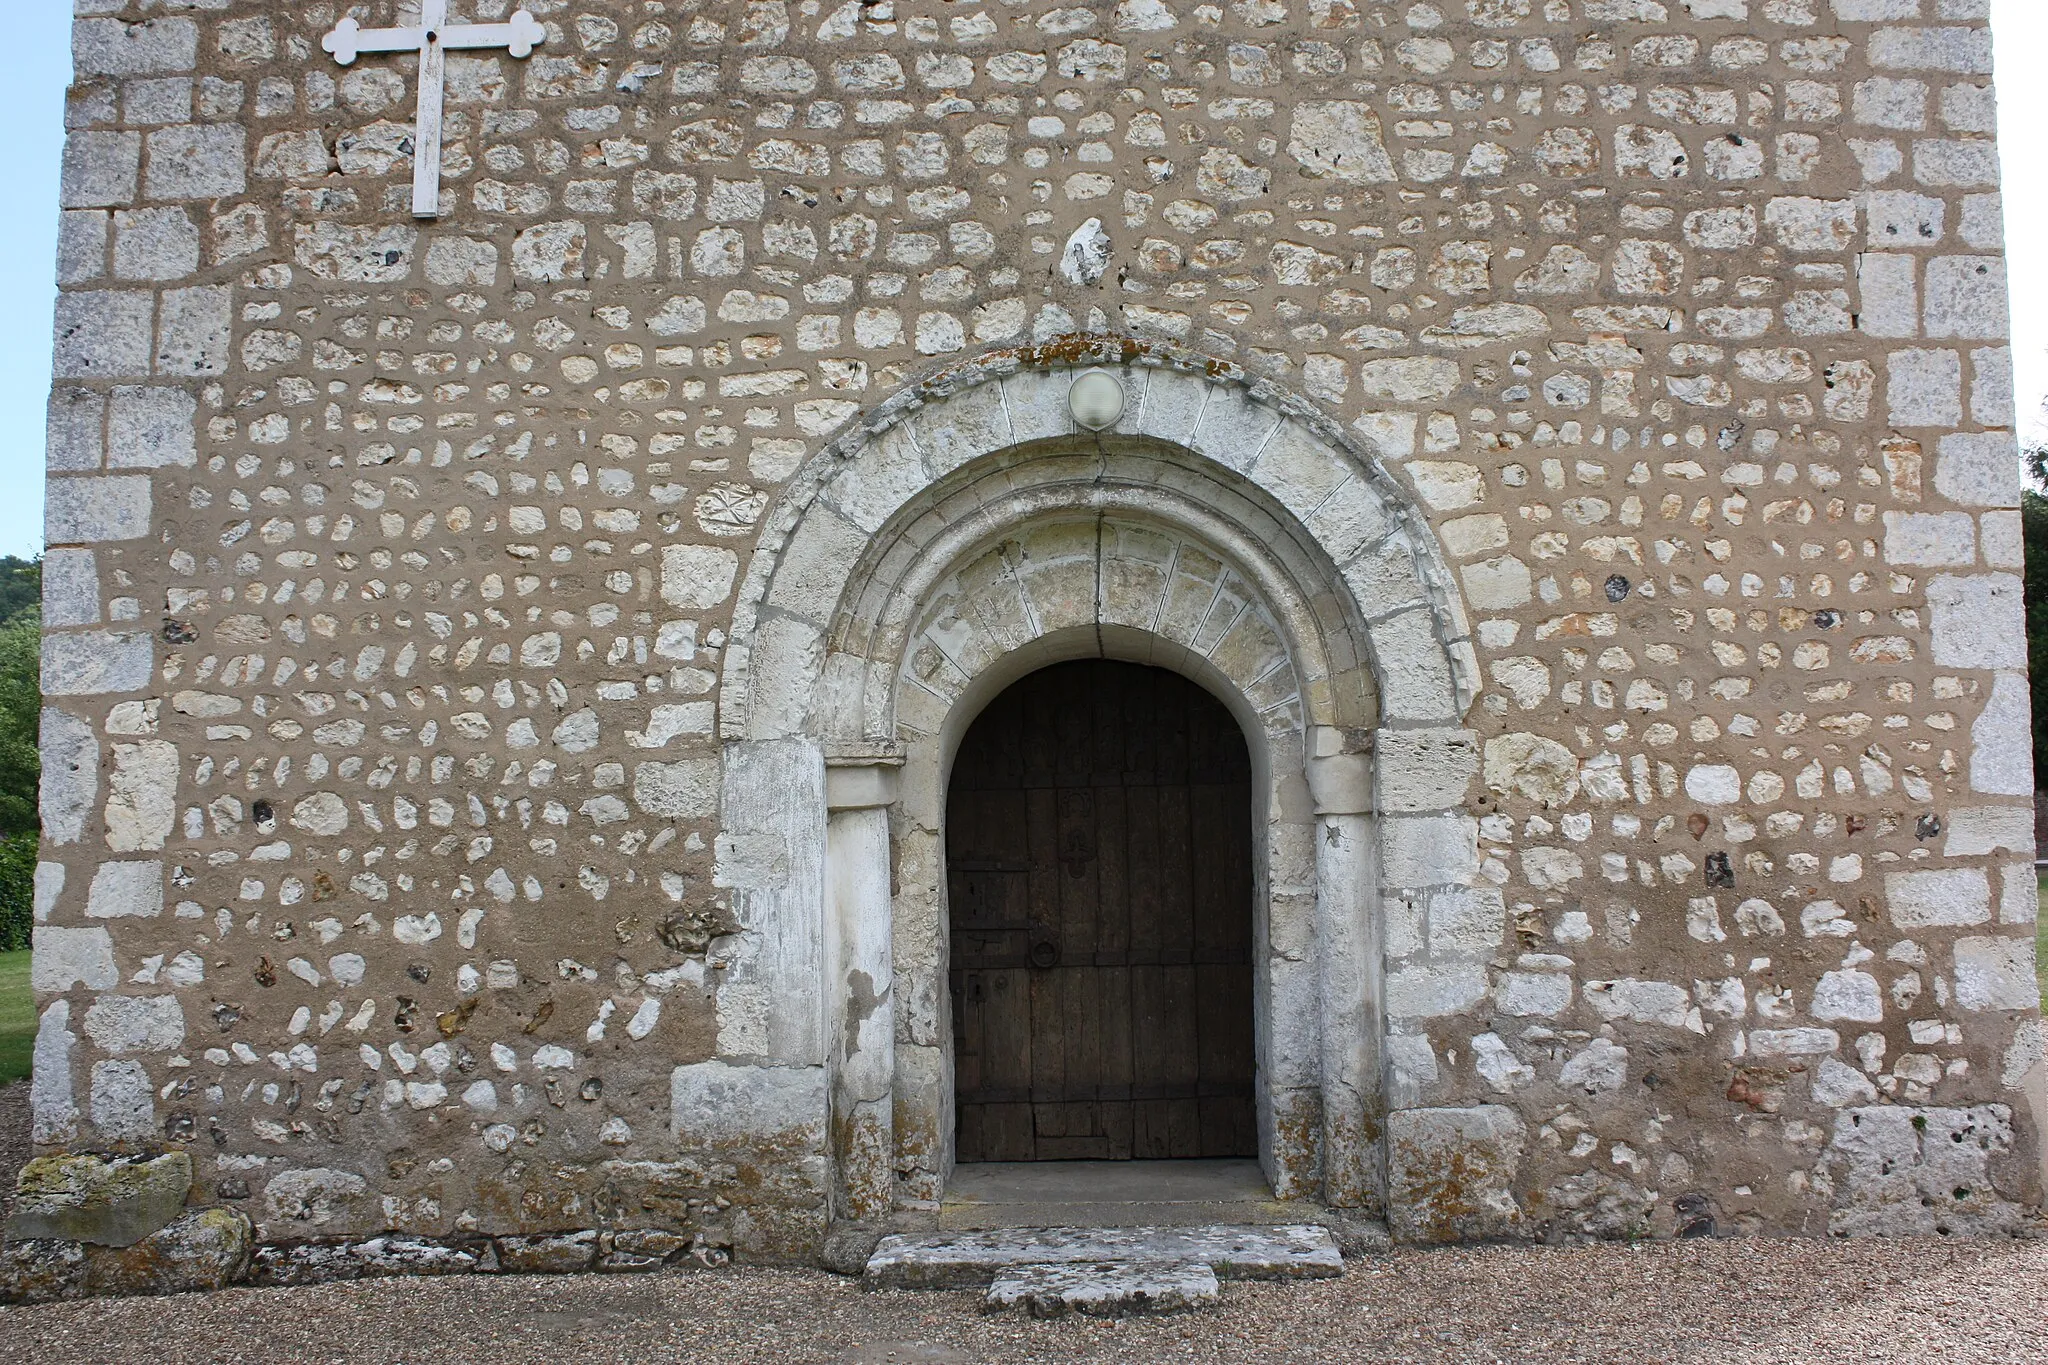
21 701
21 586
2034 532
21 704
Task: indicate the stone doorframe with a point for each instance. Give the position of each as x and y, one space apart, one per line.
968 532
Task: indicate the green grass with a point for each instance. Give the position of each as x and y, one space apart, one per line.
17 1016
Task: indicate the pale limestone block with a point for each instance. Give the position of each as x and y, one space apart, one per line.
1900 220
1418 379
1299 470
150 428
817 566
1823 226
109 47
1714 784
1447 485
95 662
1413 670
970 425
1848 996
1979 831
1944 163
683 790
1978 469
1938 897
455 262
53 1108
66 957
697 577
1427 850
1978 621
1962 51
1340 139
2002 753
1531 767
49 888
1891 102
1925 388
123 1101
1477 1151
2002 539
1498 584
1930 539
1966 297
100 169
1889 290
1991 392
197 161
1541 988
70 775
122 1025
71 588
1464 921
1233 429
1433 992
2019 894
194 329
1417 771
1996 974
142 796
85 510
124 890
74 435
103 333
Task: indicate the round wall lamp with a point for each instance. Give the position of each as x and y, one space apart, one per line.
1096 400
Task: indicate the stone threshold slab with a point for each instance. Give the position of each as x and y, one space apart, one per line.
1104 1289
971 1260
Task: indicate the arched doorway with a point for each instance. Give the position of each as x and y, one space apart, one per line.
965 532
1100 894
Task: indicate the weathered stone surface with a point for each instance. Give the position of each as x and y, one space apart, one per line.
202 1250
1107 1289
549 1254
374 1258
113 1202
1452 1173
1909 1171
966 1260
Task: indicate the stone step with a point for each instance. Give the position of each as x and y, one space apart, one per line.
1104 1289
970 1260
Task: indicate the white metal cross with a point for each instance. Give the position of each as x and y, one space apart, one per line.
432 39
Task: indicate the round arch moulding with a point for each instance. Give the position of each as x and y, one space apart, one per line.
1210 417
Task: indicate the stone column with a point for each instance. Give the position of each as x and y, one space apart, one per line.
1348 969
862 1031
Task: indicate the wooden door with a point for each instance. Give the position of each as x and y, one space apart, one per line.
1098 857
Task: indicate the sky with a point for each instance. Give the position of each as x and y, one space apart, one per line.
35 65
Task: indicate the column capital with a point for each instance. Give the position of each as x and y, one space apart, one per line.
1339 771
861 783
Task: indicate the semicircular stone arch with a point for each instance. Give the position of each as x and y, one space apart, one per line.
1246 440
968 532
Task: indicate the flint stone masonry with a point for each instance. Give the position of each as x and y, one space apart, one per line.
1575 439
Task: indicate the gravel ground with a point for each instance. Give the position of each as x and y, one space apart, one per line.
1805 1302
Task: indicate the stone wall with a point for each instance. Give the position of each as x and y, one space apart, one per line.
392 567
